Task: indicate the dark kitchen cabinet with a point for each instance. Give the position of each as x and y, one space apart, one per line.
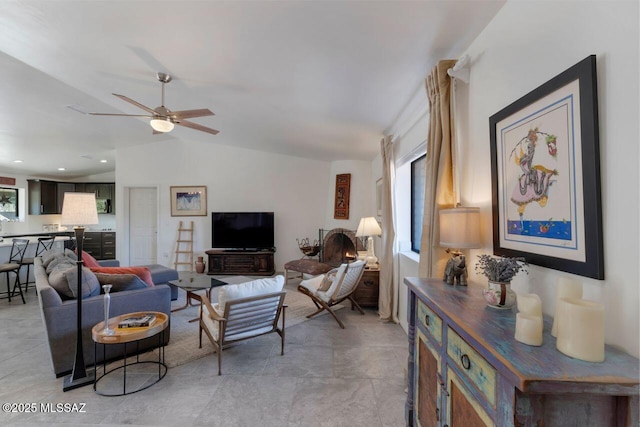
43 197
61 188
102 191
47 197
100 245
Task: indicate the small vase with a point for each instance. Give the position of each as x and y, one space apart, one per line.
107 305
499 295
200 265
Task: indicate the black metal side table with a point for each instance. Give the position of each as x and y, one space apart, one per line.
129 336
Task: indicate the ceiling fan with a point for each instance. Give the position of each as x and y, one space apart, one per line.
163 119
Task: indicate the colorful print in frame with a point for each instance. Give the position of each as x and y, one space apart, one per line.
188 200
546 175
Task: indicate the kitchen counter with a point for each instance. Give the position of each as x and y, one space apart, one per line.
40 234
52 233
5 239
101 244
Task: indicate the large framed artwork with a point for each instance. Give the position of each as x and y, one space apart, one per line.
545 172
341 205
189 201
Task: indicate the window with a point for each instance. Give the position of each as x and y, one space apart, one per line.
8 204
418 178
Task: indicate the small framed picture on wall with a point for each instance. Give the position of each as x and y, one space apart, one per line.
189 201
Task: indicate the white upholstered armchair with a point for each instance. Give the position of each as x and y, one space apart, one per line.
243 311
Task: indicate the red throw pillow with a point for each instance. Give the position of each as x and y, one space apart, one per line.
142 272
89 261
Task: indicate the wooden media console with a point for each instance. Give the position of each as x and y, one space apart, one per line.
256 263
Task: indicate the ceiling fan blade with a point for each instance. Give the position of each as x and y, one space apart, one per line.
122 115
137 104
196 126
188 114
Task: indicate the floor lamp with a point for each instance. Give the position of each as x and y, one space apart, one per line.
78 210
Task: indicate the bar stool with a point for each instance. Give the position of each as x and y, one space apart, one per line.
70 243
44 244
18 248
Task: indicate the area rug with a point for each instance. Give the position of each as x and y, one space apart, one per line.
183 344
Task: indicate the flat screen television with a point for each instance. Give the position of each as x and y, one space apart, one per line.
242 230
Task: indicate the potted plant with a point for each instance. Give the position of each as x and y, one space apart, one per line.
499 272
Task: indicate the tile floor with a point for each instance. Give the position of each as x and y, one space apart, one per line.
327 377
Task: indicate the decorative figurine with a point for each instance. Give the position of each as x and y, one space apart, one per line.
455 273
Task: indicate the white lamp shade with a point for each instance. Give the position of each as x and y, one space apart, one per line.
162 125
79 209
460 228
368 227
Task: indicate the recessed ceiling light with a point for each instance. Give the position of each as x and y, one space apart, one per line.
62 169
103 161
17 161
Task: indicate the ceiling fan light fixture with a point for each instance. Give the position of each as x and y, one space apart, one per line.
162 125
164 120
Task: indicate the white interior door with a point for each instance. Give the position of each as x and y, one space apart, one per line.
143 226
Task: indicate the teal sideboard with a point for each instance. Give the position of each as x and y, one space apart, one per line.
466 369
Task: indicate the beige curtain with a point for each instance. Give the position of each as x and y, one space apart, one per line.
439 177
387 302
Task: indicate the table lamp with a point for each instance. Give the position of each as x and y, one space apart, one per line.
78 210
369 227
459 229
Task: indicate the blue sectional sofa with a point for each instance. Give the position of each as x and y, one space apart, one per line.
59 315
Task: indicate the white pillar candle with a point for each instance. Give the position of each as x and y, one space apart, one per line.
530 304
566 287
528 328
581 329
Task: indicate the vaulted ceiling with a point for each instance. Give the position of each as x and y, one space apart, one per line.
319 79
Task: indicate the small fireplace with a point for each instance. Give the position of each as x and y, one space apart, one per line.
339 246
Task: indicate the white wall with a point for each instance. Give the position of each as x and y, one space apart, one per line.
101 177
362 194
237 180
525 45
510 58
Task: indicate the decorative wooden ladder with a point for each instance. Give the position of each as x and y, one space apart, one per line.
184 247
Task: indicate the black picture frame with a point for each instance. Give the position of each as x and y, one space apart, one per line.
557 221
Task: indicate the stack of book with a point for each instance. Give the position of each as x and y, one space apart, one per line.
140 321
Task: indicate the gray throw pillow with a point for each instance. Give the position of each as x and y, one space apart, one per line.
58 281
59 260
70 254
90 285
50 255
121 282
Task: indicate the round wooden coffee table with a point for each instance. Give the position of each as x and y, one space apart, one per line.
124 337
